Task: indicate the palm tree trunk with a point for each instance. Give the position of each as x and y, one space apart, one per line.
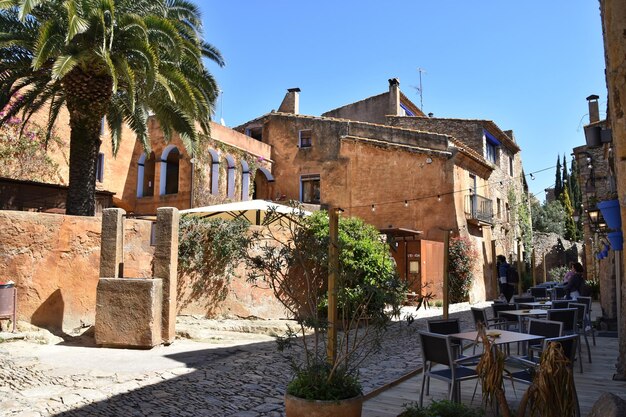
88 95
84 148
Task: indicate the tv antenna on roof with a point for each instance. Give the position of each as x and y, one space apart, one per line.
419 89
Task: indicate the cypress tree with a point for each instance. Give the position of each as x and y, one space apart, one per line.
558 185
577 197
571 232
566 179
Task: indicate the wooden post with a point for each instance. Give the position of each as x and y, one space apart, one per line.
545 271
333 267
532 268
520 267
494 270
446 247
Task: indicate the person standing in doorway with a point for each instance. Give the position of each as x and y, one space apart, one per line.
506 289
575 283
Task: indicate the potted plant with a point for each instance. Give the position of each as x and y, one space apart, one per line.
293 261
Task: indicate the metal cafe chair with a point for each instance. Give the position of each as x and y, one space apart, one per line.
496 308
569 318
521 299
557 304
539 292
569 344
580 323
546 328
558 293
588 324
480 316
437 350
446 327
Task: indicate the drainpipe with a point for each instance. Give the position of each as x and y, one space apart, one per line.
192 162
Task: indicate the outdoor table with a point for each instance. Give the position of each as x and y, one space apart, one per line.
521 314
538 304
504 336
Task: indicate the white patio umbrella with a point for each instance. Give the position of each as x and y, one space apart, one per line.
254 211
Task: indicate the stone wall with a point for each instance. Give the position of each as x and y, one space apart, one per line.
55 259
551 251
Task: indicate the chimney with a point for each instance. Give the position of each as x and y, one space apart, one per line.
394 97
291 102
594 112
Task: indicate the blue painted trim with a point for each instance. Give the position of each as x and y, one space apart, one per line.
492 139
408 112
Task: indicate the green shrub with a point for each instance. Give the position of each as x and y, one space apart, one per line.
442 408
315 382
557 273
209 250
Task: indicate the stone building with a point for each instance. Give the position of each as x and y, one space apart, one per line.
596 170
373 159
227 166
613 14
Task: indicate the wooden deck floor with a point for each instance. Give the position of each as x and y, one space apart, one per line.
596 379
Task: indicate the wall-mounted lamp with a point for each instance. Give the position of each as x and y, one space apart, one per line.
596 221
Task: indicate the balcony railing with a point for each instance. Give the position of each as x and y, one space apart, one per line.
478 208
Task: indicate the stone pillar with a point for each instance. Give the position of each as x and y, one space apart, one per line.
112 244
166 267
613 24
394 97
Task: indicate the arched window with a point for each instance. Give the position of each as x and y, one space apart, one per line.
230 176
245 181
145 175
261 184
169 170
215 171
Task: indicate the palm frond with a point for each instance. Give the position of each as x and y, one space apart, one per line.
211 52
26 6
76 22
7 4
63 65
49 43
56 104
115 121
105 56
127 76
163 33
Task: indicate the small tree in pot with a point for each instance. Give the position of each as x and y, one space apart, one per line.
293 262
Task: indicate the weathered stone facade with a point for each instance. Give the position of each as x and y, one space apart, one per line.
613 24
396 175
55 259
506 175
225 157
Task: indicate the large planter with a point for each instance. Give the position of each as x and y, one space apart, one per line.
616 239
298 407
611 214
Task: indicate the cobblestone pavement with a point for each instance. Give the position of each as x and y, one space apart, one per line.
222 378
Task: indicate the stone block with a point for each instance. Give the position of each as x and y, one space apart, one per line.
128 312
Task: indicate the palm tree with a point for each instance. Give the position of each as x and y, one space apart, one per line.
116 59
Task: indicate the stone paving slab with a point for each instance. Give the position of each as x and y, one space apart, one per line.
215 373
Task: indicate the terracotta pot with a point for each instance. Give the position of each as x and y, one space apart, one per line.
298 407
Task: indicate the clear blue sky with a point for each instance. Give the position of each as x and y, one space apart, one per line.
528 66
